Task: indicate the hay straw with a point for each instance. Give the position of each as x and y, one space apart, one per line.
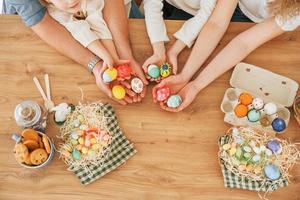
93 117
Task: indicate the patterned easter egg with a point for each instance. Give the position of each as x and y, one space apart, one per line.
163 93
153 71
274 146
272 172
137 85
118 92
278 125
174 101
165 70
253 115
124 71
258 103
270 108
109 75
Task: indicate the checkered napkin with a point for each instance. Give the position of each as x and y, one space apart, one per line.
121 149
231 180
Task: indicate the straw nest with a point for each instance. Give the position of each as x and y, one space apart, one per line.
88 116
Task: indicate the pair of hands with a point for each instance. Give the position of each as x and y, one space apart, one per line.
131 97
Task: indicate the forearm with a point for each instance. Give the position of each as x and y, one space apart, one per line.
98 49
209 37
116 19
177 47
58 37
110 46
237 50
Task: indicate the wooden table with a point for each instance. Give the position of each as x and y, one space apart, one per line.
177 153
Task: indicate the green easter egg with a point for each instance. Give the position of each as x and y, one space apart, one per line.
253 115
153 71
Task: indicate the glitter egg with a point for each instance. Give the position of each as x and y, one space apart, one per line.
253 115
246 98
109 75
241 110
264 121
270 108
137 85
274 146
165 70
278 125
162 93
124 71
174 101
258 103
153 71
272 172
118 92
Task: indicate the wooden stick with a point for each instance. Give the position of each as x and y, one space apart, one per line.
47 83
39 87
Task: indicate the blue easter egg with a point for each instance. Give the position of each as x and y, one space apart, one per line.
174 101
76 154
153 71
253 115
274 146
278 125
106 78
272 172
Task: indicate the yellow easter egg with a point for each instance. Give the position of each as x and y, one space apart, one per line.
93 140
80 140
84 150
109 75
96 146
226 147
119 92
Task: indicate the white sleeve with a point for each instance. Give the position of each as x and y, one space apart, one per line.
155 24
289 24
80 29
191 28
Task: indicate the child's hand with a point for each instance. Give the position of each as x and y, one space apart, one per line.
172 59
158 58
136 67
188 94
108 61
175 83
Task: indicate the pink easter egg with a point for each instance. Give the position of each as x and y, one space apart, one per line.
124 71
162 93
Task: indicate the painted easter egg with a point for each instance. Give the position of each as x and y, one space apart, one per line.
118 92
256 158
274 146
153 71
258 103
109 75
270 108
264 121
174 101
165 70
137 85
272 172
246 98
240 110
278 125
124 71
253 115
76 154
163 93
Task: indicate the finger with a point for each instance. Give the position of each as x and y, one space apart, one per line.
121 62
143 93
154 90
175 68
130 92
142 77
122 102
126 84
148 62
135 98
120 79
139 98
128 99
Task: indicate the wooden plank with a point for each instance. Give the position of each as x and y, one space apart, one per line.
177 153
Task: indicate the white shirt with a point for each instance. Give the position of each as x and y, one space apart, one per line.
257 11
201 9
92 28
1 6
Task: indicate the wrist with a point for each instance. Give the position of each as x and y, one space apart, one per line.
97 68
159 49
177 47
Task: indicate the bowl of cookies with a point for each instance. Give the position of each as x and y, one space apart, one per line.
33 149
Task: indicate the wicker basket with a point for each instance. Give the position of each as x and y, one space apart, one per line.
297 109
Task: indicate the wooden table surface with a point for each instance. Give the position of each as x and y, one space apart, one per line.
177 153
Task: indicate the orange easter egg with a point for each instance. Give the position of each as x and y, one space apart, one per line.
246 98
241 110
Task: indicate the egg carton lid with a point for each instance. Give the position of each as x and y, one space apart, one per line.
264 83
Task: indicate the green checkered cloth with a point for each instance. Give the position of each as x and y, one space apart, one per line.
232 180
121 150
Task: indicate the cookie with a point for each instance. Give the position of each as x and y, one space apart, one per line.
31 144
30 134
38 156
41 143
27 160
46 144
21 152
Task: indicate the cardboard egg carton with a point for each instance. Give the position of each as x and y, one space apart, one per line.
260 83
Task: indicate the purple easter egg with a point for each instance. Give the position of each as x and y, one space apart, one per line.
274 146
